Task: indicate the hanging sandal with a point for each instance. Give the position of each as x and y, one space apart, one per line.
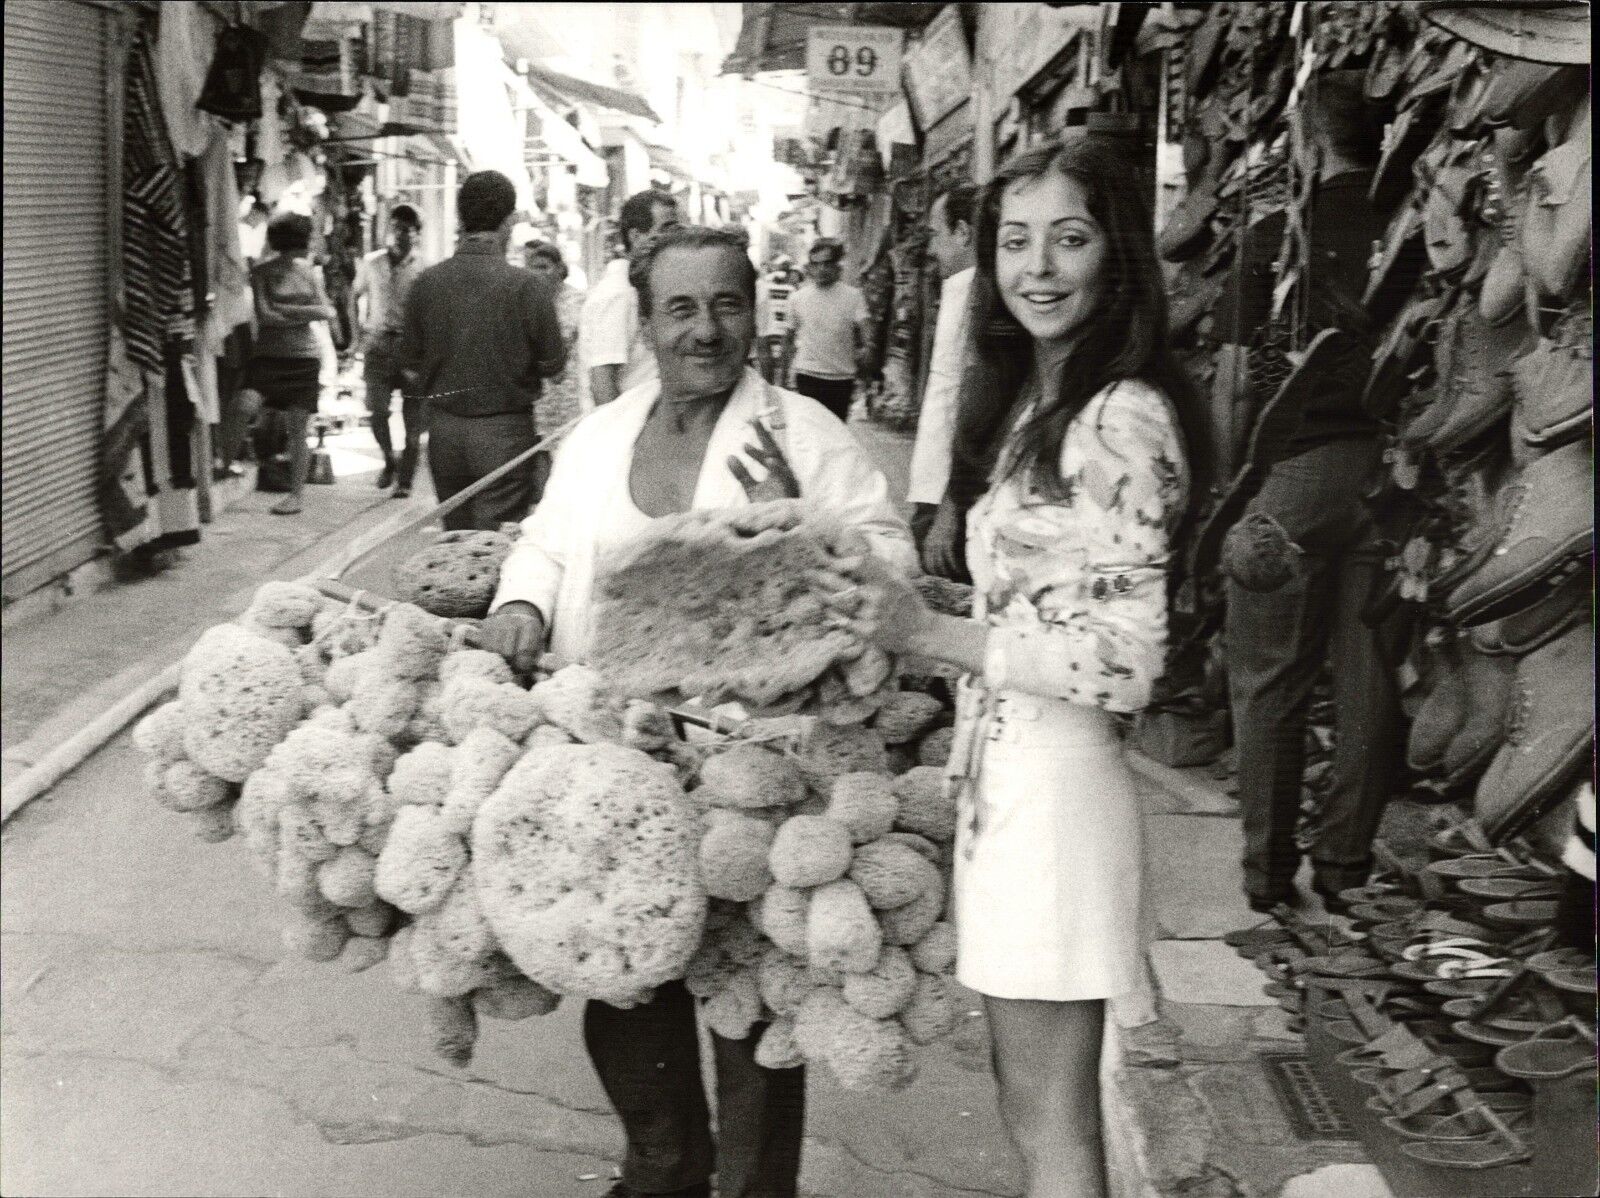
1554 1052
1502 1146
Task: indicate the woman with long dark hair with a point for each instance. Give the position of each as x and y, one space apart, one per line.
1076 442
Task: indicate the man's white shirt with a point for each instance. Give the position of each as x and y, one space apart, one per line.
930 456
609 333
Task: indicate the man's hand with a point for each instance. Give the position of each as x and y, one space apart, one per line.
779 483
516 633
941 550
867 598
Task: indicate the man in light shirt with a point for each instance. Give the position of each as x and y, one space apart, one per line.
383 278
828 334
707 433
611 345
951 244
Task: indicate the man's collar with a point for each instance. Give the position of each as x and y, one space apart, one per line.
486 244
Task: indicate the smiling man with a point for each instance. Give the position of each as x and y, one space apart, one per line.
709 433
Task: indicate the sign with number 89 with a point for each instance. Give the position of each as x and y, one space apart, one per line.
854 58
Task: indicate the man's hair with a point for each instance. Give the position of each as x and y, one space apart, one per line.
289 233
552 255
405 214
959 201
1339 114
485 200
828 245
638 214
689 237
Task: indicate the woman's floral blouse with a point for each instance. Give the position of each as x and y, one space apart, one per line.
1076 588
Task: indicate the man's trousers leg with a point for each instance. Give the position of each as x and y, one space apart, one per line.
463 449
1275 646
1369 742
761 1117
381 376
411 420
648 1060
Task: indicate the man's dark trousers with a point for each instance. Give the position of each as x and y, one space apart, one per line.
648 1059
381 372
833 394
463 449
1276 645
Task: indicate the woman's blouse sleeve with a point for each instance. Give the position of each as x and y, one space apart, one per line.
1098 635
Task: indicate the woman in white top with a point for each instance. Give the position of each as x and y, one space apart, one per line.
1074 435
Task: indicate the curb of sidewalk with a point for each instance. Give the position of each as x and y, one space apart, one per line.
58 762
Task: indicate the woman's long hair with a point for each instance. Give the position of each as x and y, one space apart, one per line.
1125 336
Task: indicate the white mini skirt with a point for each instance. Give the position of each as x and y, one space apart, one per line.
1048 851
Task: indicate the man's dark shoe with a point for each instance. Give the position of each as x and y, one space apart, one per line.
1265 903
1549 737
1549 521
386 477
402 491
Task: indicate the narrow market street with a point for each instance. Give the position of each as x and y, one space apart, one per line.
798 600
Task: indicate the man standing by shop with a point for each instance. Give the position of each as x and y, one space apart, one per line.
950 244
383 279
828 335
611 344
1310 511
479 336
710 434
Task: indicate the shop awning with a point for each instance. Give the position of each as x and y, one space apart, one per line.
566 143
663 159
772 36
520 45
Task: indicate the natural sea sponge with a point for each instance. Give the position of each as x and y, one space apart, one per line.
719 604
864 804
577 700
891 874
934 748
841 933
931 1012
936 951
750 776
420 861
886 988
925 806
809 850
906 715
587 864
454 578
240 696
733 858
908 924
777 1048
830 751
781 914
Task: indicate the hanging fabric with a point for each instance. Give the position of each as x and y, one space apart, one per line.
233 84
147 496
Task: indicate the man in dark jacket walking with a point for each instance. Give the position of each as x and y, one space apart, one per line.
479 336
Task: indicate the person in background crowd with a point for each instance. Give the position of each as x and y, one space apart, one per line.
1075 436
382 281
560 404
1276 642
829 334
287 358
695 439
610 342
479 335
950 243
772 319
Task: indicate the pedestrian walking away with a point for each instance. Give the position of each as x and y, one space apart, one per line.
682 442
383 280
828 334
480 335
286 362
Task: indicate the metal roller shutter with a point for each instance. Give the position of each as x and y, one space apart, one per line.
56 287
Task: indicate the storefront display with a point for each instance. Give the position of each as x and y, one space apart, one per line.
1447 1030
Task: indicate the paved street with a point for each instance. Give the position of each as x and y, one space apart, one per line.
154 1039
